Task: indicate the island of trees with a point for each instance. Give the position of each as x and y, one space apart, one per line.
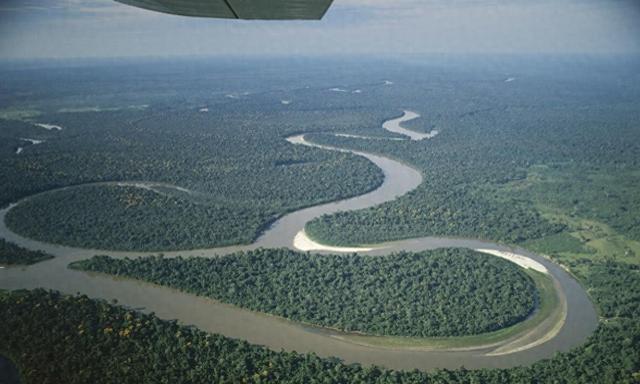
54 338
443 292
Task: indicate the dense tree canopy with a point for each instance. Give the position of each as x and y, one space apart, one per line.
242 172
499 136
11 254
127 217
491 134
443 292
72 339
528 161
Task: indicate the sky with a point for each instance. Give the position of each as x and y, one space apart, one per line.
104 28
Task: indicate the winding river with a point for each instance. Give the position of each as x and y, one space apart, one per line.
574 320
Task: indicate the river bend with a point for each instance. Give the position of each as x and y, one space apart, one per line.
578 319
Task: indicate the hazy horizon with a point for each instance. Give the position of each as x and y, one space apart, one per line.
32 29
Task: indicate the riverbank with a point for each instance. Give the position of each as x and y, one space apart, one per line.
279 334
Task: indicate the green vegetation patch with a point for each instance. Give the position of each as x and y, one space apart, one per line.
237 161
496 162
18 114
458 197
616 288
547 307
607 194
560 242
131 218
72 339
11 254
444 292
598 207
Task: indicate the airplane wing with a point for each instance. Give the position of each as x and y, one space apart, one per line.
239 9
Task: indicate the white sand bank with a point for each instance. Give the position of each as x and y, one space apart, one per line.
302 242
522 261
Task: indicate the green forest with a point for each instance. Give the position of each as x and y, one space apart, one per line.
54 338
443 292
12 254
605 193
492 135
127 217
242 172
218 135
549 162
473 167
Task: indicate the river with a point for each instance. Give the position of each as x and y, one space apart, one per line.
543 341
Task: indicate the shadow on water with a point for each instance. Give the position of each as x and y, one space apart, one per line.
8 372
